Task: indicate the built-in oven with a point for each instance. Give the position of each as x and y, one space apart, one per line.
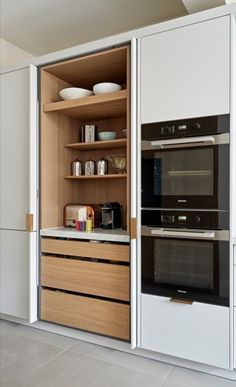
185 164
185 255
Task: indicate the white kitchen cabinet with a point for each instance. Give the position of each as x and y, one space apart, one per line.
18 148
18 274
185 72
18 193
198 332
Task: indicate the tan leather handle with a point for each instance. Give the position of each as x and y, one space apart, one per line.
29 222
133 228
181 301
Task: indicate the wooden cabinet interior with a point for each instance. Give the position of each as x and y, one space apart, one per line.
61 123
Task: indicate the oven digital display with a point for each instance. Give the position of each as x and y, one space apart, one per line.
182 127
182 218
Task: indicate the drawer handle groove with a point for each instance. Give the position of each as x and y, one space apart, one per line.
181 301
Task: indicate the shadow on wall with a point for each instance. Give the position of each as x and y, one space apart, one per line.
11 55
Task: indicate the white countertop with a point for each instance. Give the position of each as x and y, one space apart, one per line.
98 234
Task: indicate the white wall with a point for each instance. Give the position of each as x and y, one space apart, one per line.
11 55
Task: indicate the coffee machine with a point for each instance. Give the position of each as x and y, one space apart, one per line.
111 215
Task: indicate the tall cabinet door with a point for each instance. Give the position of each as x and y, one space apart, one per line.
185 72
18 193
133 194
18 152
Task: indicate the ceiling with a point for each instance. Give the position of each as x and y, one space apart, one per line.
43 26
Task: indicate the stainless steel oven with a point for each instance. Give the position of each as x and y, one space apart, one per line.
185 164
186 264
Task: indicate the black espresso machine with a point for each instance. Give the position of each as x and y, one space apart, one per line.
111 215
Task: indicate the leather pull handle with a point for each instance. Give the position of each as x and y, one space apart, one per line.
29 222
133 228
181 301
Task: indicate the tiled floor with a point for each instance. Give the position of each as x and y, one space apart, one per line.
34 358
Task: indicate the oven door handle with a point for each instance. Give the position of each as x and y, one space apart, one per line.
218 235
186 142
184 234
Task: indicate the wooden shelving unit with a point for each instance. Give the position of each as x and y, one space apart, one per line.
87 146
104 307
93 107
61 123
98 177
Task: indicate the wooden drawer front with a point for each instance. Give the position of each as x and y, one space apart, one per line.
100 279
99 316
86 249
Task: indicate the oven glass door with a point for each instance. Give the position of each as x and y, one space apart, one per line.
186 177
191 269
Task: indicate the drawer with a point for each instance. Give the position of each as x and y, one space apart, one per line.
197 332
94 315
95 278
108 251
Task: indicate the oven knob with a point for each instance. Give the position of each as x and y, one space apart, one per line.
197 219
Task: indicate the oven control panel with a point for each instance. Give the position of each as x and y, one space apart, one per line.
186 219
199 126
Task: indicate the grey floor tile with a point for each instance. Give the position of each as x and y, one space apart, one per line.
167 383
20 355
7 328
133 362
74 370
36 334
197 379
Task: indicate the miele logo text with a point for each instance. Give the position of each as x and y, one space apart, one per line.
182 291
182 201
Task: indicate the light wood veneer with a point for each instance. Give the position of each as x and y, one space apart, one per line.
94 107
85 146
94 315
95 278
108 251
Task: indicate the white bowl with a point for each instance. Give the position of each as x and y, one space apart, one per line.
106 136
74 93
106 87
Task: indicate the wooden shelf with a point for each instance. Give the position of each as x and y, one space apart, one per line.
94 107
98 177
87 70
112 144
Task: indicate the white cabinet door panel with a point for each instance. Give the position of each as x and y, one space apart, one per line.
185 72
18 274
234 338
14 252
17 150
198 332
234 283
18 193
133 189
